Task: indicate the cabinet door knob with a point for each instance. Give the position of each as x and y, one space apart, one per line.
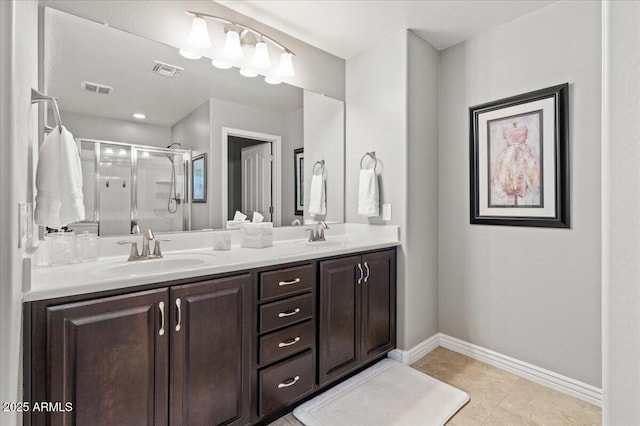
361 273
289 342
161 307
179 314
296 281
368 272
288 314
291 382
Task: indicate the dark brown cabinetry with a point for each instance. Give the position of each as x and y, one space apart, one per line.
285 338
357 312
210 352
229 349
108 357
177 355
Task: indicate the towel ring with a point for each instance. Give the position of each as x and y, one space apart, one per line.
321 164
37 97
371 154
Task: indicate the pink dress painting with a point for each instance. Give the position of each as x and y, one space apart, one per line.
515 177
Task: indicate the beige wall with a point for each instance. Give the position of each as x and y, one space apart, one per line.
392 98
18 156
530 293
621 231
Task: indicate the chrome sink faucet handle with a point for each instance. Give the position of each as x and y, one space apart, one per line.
156 247
133 254
320 227
146 237
312 235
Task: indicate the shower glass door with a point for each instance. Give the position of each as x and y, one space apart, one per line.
160 188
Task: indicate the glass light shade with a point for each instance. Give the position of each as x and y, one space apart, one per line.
199 36
139 115
220 64
248 73
189 54
285 69
261 56
232 49
272 80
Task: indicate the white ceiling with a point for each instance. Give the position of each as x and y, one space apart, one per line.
346 28
78 50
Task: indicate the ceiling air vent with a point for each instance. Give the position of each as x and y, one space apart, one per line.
166 70
100 89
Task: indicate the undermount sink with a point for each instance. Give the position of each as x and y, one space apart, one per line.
168 263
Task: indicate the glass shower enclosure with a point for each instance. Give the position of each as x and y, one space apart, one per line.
127 187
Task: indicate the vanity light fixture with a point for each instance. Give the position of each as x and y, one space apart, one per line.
220 64
232 49
248 73
139 116
189 54
199 35
272 80
239 36
261 58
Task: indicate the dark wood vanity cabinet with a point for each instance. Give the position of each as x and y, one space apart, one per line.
176 355
235 350
108 357
210 352
357 312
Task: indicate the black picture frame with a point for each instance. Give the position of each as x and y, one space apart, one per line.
298 167
492 173
199 179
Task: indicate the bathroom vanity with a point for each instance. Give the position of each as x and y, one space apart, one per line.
238 347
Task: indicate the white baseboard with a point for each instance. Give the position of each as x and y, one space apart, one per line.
417 352
564 384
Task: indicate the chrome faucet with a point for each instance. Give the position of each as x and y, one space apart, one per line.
147 237
318 233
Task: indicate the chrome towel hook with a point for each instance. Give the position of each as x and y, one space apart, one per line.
371 154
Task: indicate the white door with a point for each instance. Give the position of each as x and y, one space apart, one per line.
256 180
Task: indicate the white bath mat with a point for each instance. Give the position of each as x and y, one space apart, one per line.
389 393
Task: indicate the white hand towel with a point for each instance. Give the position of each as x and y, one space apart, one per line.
368 201
317 199
59 181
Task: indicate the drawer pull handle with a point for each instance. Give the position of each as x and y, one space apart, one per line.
179 314
368 272
292 382
296 281
161 306
288 314
289 342
361 273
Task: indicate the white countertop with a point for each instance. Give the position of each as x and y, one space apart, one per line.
115 272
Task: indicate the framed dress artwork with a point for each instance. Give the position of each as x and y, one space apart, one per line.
519 160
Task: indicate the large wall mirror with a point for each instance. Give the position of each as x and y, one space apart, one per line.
141 113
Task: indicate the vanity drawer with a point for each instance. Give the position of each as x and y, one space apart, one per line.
285 382
285 342
286 281
284 312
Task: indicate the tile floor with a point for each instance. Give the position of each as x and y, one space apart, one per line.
497 398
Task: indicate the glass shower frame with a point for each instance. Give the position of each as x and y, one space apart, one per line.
134 149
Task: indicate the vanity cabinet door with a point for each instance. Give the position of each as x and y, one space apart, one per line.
339 333
378 304
210 352
108 357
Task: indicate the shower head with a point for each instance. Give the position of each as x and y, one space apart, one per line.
170 156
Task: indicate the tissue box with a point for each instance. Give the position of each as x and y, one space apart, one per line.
256 235
222 240
235 224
